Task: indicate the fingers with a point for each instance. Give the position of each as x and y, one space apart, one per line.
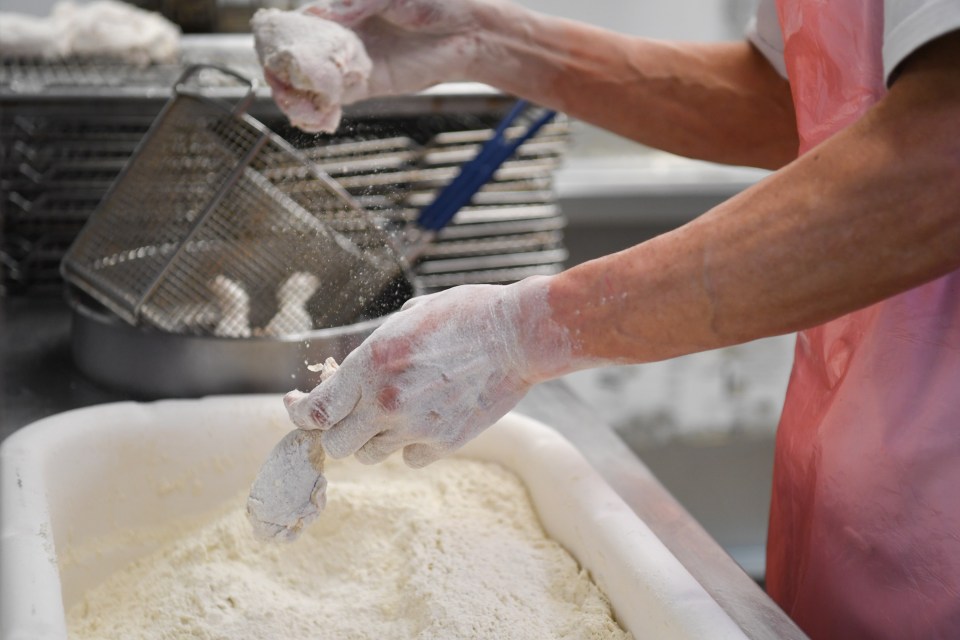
380 447
412 302
329 403
293 397
348 435
420 455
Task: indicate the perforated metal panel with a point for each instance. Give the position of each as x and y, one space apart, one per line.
67 128
201 229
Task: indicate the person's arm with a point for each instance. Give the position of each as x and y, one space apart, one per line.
713 101
720 102
872 212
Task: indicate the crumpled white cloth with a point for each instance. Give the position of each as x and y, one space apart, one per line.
105 29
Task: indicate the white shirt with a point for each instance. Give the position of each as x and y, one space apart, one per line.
907 26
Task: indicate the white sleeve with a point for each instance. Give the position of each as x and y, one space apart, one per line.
764 32
910 24
907 26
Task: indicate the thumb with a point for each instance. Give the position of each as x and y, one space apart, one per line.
329 402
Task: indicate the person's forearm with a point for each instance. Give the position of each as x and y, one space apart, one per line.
721 102
870 213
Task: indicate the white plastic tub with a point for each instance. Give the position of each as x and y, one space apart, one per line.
88 479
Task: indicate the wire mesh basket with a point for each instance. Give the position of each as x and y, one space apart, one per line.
202 233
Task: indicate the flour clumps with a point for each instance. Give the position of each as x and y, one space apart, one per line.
454 550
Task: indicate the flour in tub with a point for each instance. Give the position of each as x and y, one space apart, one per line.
453 550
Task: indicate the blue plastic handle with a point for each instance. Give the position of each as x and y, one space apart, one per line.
477 172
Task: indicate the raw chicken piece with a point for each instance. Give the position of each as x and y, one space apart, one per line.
313 66
292 316
289 492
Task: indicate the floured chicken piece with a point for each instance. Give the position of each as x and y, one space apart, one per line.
290 491
314 66
292 315
105 29
234 305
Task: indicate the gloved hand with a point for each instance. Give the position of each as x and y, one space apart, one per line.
437 373
337 52
313 66
413 44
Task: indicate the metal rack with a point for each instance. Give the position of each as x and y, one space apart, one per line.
68 127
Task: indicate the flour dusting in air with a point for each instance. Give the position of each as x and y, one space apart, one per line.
450 551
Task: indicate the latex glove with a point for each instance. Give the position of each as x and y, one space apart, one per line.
313 66
437 373
413 44
337 52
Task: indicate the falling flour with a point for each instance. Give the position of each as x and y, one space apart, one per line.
454 550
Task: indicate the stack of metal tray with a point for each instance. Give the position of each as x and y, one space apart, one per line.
68 127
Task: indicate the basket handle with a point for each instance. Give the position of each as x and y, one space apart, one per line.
477 172
241 105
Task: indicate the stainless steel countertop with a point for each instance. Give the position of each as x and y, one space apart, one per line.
38 379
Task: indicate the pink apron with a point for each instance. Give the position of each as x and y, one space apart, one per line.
864 535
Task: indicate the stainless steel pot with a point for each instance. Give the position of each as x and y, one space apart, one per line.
153 364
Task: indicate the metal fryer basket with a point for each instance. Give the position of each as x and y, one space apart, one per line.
198 235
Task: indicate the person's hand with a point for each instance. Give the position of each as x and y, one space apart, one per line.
313 66
437 373
413 44
336 52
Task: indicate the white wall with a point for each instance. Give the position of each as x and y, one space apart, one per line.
675 19
33 7
702 20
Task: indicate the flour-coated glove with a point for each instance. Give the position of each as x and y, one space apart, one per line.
437 373
313 66
336 52
413 44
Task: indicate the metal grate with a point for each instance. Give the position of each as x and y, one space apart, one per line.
198 234
58 158
30 75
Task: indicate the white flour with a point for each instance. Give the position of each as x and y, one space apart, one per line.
450 551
